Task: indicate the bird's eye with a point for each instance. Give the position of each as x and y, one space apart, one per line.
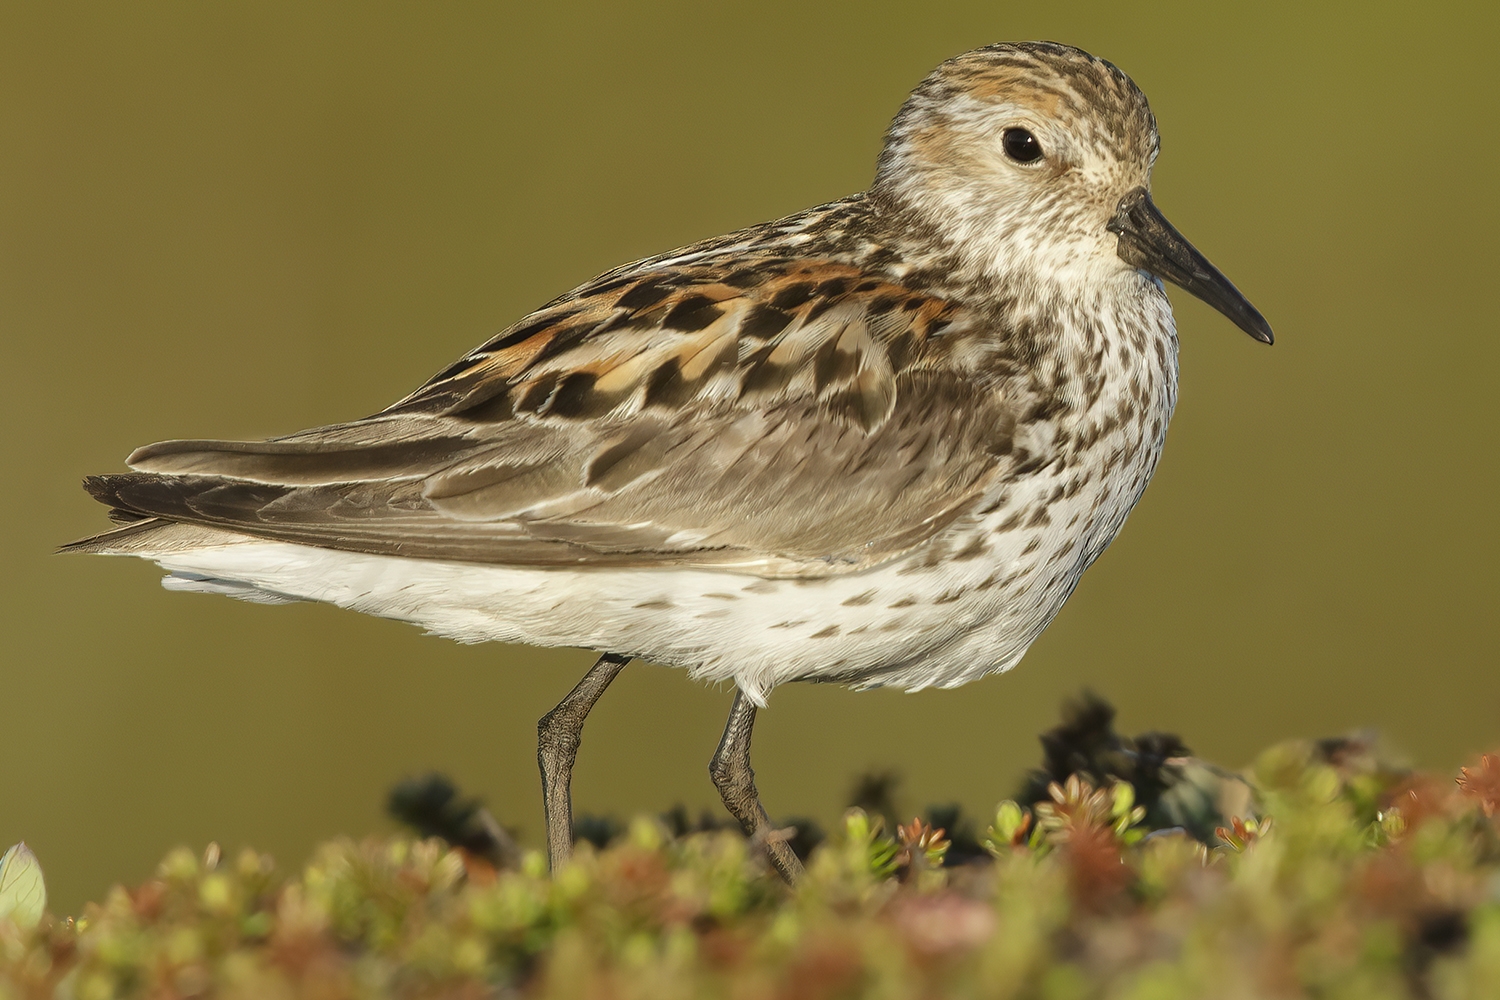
1021 146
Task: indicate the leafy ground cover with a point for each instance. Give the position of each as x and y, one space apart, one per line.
1125 869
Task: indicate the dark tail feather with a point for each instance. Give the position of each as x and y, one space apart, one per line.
201 499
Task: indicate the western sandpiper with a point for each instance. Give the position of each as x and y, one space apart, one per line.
876 442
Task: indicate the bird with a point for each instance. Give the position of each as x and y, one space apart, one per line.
876 442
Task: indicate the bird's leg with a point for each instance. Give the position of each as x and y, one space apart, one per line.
735 780
557 738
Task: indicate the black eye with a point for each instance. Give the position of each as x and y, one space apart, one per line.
1021 146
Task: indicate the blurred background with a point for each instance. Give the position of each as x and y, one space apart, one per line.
239 220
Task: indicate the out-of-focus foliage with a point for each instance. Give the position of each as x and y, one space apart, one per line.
1347 880
430 805
23 893
1171 787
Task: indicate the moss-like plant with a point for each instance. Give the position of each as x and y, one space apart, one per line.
1342 879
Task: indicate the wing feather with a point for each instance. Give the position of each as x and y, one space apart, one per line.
797 419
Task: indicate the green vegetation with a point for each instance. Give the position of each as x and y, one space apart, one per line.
1342 878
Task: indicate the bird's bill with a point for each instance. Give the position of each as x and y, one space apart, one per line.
1148 241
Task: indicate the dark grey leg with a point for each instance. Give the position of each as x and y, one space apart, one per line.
557 739
736 783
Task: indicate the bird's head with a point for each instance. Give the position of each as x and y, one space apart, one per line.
1032 161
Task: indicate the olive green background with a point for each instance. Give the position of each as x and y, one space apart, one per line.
238 220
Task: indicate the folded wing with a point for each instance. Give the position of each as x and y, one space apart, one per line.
795 418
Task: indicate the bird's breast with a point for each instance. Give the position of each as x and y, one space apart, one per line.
1091 423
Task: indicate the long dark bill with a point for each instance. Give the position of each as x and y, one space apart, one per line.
1148 241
